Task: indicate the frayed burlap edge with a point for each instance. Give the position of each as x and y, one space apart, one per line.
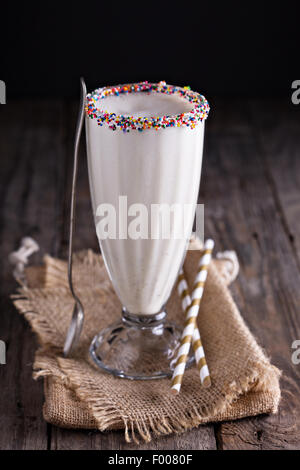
107 418
258 379
102 417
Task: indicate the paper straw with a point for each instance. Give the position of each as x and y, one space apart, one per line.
191 317
184 294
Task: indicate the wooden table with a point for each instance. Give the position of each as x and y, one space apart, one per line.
250 187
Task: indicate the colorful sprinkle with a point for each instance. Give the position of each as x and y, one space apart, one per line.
127 123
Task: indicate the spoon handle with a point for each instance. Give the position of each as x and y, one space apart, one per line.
78 313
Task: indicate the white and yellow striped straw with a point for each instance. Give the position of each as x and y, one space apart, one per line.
191 317
184 294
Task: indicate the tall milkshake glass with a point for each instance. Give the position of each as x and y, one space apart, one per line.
144 147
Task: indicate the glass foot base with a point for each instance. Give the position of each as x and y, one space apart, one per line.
138 348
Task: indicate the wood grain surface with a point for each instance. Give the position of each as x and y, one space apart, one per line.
251 190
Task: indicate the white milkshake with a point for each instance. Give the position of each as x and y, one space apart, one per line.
152 160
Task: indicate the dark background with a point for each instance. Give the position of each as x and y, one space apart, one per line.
219 48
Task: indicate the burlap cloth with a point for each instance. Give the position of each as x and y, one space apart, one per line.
78 395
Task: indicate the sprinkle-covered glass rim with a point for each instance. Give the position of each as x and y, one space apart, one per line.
198 113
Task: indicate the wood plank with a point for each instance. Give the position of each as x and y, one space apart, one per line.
63 439
32 164
202 438
242 214
277 127
249 185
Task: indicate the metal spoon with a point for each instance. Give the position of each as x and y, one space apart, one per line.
76 324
